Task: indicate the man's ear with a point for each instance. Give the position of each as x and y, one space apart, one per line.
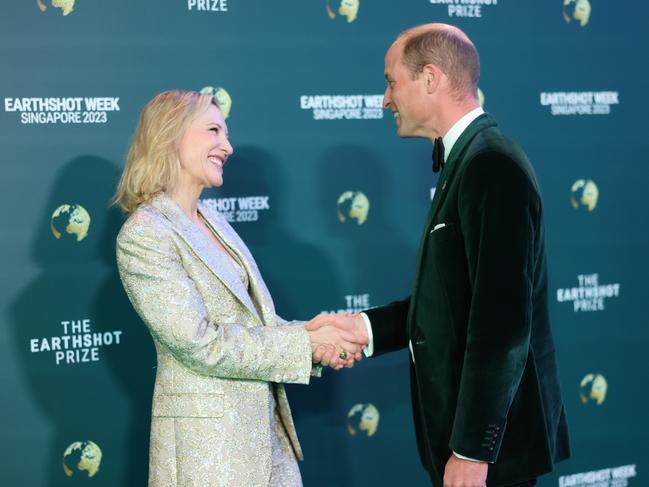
432 77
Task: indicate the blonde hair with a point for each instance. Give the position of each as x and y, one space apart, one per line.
152 164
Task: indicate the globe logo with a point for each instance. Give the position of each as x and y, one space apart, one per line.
346 8
82 456
578 10
223 98
584 192
353 205
71 220
363 417
66 6
593 388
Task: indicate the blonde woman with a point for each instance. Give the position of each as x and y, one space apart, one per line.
220 412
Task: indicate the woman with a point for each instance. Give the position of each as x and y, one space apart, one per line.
220 412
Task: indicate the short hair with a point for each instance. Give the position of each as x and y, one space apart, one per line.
447 48
153 165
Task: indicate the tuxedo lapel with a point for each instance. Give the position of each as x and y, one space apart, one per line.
450 169
204 249
454 159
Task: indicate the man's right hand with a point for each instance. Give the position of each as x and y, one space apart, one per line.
332 334
350 323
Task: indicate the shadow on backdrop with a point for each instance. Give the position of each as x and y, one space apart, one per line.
88 391
381 264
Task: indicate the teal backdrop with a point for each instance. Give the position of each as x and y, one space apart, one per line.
330 201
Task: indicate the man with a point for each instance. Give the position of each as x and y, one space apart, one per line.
485 391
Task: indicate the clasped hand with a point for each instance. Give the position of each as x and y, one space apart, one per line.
337 340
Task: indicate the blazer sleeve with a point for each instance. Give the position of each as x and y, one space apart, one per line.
316 369
389 326
168 302
499 210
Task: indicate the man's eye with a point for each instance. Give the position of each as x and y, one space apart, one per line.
215 130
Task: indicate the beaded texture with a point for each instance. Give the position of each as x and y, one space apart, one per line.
220 412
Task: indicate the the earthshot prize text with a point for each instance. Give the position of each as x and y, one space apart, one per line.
78 344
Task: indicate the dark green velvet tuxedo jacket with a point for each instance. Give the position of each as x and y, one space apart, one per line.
484 377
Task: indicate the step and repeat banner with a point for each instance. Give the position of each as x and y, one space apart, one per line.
330 201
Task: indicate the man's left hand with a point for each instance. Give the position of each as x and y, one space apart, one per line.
465 473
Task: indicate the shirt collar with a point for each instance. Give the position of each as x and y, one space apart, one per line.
456 130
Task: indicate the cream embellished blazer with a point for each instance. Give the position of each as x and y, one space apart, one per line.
222 352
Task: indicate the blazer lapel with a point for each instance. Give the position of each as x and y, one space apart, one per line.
445 179
204 249
258 290
450 167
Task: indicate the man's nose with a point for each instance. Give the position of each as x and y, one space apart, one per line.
386 98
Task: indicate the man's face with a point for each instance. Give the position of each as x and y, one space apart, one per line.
404 96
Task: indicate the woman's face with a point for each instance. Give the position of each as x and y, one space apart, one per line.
203 149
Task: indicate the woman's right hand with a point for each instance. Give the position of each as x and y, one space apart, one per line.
329 344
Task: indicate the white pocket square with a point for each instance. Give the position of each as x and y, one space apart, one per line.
438 226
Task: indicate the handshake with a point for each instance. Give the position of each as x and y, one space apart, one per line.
337 340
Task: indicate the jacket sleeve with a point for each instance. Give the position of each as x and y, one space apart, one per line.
316 369
168 302
499 212
389 326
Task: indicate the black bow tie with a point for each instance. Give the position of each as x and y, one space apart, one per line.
438 155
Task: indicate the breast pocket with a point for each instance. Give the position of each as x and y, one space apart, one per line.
442 232
448 256
445 247
441 250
